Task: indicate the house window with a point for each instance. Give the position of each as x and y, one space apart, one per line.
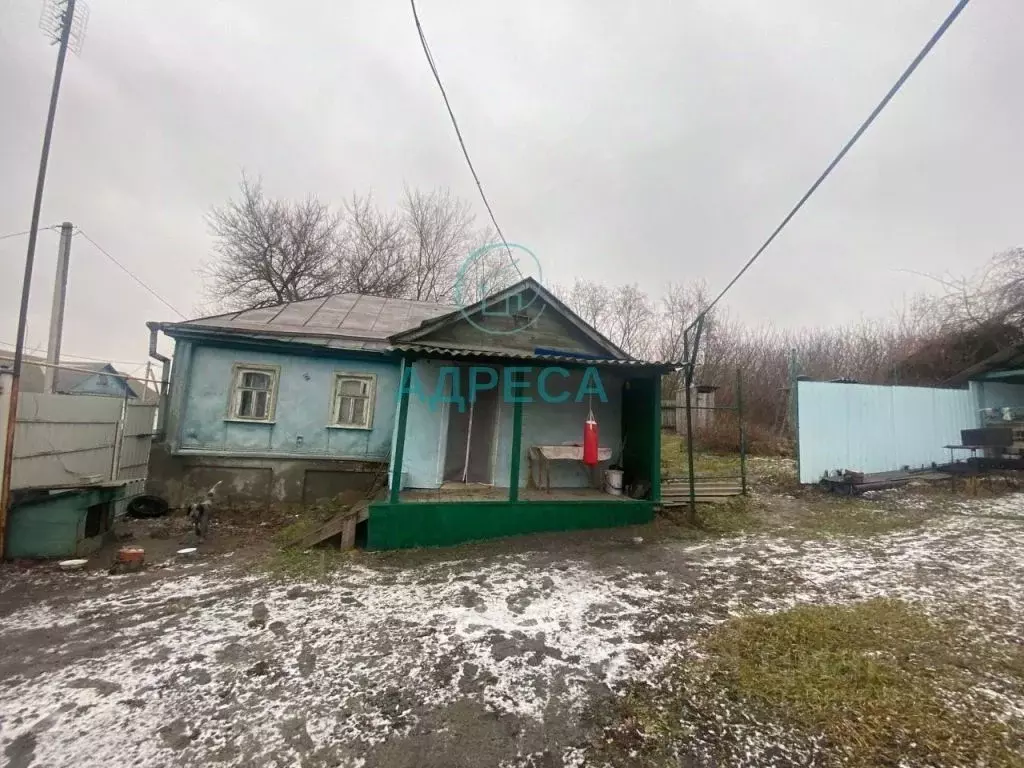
353 400
253 395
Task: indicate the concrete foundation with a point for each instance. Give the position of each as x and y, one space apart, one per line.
181 477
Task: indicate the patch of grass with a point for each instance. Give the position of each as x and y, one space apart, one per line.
828 515
728 518
775 471
875 683
309 565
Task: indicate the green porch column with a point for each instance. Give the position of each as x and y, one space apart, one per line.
656 446
403 417
517 445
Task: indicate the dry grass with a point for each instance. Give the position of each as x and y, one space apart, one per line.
874 683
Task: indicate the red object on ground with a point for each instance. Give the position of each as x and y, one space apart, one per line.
590 443
131 555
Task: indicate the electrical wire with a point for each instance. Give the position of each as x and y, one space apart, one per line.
132 275
458 134
27 231
842 153
40 348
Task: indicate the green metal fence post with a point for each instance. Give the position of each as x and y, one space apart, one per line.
403 416
517 444
743 432
656 447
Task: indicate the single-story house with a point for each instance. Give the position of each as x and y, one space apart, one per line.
474 415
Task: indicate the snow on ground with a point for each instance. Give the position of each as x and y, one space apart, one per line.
218 668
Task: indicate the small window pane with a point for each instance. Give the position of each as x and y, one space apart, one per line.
353 386
245 403
255 380
358 411
260 405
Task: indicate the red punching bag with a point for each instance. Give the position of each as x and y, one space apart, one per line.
590 441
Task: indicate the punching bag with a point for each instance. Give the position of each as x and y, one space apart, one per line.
590 441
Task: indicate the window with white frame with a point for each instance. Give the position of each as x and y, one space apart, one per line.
353 400
253 393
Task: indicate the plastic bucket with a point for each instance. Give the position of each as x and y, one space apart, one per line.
613 481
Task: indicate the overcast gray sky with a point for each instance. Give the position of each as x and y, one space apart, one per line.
644 141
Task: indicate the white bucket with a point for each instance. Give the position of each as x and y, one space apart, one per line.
613 481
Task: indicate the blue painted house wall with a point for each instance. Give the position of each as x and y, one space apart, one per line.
546 423
201 388
426 429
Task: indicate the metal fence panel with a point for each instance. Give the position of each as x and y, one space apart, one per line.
871 428
64 439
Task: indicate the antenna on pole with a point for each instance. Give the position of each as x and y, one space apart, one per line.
52 20
65 26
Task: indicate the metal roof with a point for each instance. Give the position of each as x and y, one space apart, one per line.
1009 359
350 316
355 322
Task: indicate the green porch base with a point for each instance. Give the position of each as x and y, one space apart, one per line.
434 524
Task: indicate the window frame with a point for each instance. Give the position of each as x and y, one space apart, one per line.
238 370
371 397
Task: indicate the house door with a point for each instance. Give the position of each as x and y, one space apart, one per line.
468 458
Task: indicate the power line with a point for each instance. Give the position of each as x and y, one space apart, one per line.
27 231
132 275
946 24
458 133
40 348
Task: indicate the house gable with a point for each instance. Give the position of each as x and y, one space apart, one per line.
523 318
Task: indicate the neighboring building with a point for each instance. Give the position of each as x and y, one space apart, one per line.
32 376
78 378
93 379
302 401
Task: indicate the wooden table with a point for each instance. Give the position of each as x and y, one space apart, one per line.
543 455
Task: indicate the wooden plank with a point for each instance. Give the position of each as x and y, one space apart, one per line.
671 503
343 523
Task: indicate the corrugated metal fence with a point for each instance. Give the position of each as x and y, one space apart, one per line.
869 428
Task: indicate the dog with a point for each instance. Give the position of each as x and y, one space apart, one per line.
200 512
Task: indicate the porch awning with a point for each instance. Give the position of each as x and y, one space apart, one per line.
469 355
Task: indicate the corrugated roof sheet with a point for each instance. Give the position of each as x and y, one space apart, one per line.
449 352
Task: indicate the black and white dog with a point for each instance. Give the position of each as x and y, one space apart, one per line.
199 512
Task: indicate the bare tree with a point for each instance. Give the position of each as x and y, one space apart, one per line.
372 257
590 300
439 236
632 320
271 251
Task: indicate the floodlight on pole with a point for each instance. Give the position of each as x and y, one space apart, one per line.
64 22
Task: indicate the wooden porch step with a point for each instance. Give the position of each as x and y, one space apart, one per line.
343 523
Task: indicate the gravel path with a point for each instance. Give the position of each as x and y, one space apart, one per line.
507 660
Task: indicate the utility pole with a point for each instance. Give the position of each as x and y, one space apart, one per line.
149 377
65 30
60 291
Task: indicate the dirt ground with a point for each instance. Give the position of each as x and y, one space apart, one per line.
510 653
